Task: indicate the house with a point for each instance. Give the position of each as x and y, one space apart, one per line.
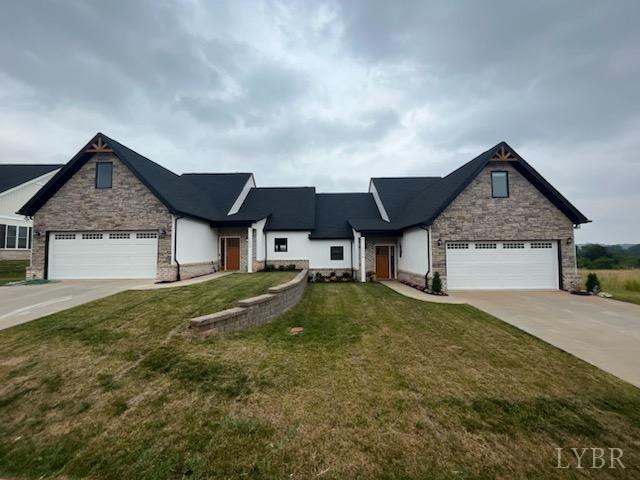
494 223
18 183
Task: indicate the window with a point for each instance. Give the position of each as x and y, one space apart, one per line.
337 253
65 236
500 184
457 246
280 244
146 235
3 236
541 245
485 246
12 234
513 245
22 237
91 236
119 236
104 174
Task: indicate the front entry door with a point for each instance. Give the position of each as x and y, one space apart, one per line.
382 262
230 250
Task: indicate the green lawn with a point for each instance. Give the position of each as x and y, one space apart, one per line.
378 386
12 270
622 284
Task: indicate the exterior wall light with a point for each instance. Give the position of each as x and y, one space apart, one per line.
569 240
37 233
163 232
439 242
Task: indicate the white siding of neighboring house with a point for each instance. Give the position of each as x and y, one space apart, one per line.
12 200
197 241
414 259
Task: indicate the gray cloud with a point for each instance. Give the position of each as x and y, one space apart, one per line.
330 93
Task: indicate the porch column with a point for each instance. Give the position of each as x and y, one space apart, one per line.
363 269
250 250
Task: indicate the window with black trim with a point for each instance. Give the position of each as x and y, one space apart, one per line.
337 253
280 244
12 236
500 184
104 174
3 236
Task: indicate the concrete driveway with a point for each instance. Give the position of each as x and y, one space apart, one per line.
20 304
604 332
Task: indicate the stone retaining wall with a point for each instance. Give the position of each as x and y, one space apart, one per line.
254 310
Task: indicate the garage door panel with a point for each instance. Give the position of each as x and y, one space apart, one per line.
510 265
94 255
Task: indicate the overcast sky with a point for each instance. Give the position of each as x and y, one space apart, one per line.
330 94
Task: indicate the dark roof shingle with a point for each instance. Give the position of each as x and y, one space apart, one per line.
334 211
13 175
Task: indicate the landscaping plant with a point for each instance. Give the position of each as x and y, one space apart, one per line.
593 283
436 284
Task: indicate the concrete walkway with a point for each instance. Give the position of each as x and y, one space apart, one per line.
182 283
603 332
411 292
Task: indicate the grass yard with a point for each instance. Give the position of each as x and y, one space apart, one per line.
622 284
378 386
12 270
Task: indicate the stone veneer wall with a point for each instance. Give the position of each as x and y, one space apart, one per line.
525 215
411 277
79 206
244 244
15 254
300 264
191 270
255 310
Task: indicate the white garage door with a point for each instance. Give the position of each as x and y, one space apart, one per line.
103 255
502 265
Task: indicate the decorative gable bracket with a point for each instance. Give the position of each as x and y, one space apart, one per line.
503 154
99 146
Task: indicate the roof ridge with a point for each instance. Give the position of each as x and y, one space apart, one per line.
216 173
31 164
139 154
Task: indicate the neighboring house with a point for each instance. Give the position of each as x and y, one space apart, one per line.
492 223
18 183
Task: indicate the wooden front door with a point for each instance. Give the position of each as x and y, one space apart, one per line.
382 262
231 253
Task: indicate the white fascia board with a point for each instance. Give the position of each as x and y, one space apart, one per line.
251 183
376 197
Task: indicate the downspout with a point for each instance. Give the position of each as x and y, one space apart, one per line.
264 233
351 255
426 275
175 246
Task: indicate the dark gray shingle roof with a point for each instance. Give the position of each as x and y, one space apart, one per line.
287 208
13 174
335 210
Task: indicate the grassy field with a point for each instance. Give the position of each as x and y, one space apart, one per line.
377 386
622 284
12 270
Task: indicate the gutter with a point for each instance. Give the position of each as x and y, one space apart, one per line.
426 275
175 245
351 253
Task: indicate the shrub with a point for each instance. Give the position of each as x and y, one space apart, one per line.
291 267
593 283
346 277
436 283
269 268
371 276
281 268
319 277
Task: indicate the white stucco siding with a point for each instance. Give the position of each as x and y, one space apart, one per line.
415 259
320 254
301 247
197 242
259 232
